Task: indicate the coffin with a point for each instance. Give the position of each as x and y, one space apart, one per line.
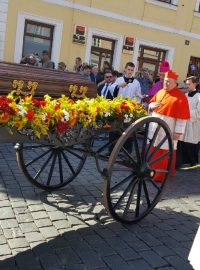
39 81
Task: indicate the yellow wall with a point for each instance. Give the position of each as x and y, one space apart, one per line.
181 19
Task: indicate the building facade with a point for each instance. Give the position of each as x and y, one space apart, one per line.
145 32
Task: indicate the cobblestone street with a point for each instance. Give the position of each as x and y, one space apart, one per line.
69 229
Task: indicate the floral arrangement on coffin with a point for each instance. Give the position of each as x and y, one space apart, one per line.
63 114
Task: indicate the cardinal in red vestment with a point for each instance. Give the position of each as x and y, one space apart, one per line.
171 105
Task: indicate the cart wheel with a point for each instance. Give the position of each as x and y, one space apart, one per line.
130 191
49 167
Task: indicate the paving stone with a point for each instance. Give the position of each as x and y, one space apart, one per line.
103 249
42 248
18 243
4 203
7 261
16 204
163 251
67 256
61 224
4 250
13 233
34 237
28 227
9 223
128 254
43 223
23 218
50 262
115 262
116 243
57 215
36 207
49 232
178 263
2 240
39 215
91 259
27 260
21 210
147 237
6 213
139 265
153 259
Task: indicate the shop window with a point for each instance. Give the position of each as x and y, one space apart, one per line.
102 49
151 58
37 37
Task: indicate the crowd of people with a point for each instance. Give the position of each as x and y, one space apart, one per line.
162 98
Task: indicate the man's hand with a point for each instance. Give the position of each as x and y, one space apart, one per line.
176 136
153 105
124 84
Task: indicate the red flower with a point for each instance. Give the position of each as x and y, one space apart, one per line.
57 107
39 103
4 105
62 127
30 115
125 106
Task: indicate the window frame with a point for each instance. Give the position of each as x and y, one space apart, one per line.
197 6
173 5
56 45
27 21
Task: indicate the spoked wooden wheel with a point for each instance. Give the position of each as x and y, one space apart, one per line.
49 167
130 187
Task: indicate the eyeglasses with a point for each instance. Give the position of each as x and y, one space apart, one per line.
107 77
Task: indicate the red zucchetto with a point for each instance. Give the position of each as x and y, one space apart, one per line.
171 74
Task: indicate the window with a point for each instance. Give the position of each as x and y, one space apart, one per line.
172 4
102 49
37 37
151 58
194 67
166 1
197 7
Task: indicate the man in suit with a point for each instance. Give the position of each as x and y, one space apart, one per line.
104 88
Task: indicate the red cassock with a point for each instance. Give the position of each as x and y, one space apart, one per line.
173 104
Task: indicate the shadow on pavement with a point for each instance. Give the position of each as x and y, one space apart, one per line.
72 230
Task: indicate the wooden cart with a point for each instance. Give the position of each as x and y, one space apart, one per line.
129 190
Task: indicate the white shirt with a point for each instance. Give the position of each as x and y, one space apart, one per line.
132 90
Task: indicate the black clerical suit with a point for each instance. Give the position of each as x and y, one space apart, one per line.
103 90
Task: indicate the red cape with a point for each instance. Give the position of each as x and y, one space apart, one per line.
173 103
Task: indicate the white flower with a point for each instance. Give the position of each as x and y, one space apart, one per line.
106 114
131 115
66 116
127 120
44 116
22 111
